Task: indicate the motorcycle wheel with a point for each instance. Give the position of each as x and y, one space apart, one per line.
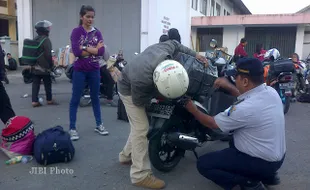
287 104
84 102
160 146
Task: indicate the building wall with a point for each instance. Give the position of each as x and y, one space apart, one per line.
118 20
299 44
306 45
160 19
9 14
232 36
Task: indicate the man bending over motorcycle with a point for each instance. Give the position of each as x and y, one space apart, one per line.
257 122
136 88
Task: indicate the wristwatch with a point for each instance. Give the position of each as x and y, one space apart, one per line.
84 47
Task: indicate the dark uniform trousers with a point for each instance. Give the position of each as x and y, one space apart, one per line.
230 167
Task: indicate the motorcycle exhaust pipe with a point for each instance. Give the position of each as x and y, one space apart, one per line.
183 141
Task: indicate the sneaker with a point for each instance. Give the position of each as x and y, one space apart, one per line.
151 182
74 135
101 130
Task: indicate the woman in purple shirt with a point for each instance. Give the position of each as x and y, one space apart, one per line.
87 46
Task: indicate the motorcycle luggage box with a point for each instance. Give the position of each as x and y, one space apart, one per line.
220 101
281 66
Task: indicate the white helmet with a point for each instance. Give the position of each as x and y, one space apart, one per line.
171 79
272 52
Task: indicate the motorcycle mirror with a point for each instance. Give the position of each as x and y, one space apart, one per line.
213 43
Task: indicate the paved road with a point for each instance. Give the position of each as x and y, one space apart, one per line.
96 166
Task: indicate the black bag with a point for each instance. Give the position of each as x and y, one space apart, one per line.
201 78
32 51
53 146
280 66
220 101
304 98
121 111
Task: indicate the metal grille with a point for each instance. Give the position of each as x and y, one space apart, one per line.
205 35
282 38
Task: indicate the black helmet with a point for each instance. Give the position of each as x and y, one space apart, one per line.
27 76
43 26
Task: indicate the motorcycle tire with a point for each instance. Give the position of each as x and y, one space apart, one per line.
287 104
155 146
84 102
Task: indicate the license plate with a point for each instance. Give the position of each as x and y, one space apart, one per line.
160 110
285 86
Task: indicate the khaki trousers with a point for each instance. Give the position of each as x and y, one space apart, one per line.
136 148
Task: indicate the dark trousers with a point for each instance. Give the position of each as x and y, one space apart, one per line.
6 111
230 167
108 81
47 81
78 84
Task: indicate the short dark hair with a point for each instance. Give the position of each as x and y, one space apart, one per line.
8 54
243 40
257 80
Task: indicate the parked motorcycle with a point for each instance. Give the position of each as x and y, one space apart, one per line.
283 82
86 100
173 130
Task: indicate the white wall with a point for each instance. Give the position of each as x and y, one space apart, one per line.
24 21
300 40
306 46
232 36
157 10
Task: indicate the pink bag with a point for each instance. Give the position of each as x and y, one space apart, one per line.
18 137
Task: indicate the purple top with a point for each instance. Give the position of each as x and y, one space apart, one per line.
78 37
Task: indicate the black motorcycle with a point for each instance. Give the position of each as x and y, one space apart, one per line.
173 130
283 82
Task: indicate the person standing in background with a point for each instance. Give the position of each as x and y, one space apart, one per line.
41 71
259 52
239 51
6 110
87 45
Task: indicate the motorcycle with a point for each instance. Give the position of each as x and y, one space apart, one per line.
302 83
173 130
119 64
284 81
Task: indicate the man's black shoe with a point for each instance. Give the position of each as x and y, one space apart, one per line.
272 181
253 186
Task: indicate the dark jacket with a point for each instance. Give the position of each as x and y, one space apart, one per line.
45 62
137 75
2 63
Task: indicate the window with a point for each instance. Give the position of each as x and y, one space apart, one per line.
224 12
203 7
218 9
228 13
194 4
3 3
212 8
4 29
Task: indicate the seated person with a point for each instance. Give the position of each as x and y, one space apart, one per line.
257 122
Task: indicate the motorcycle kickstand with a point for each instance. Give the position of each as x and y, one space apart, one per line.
195 153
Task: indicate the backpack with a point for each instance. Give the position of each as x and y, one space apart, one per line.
53 146
121 111
18 137
32 51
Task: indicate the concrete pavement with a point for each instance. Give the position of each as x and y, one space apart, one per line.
96 166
